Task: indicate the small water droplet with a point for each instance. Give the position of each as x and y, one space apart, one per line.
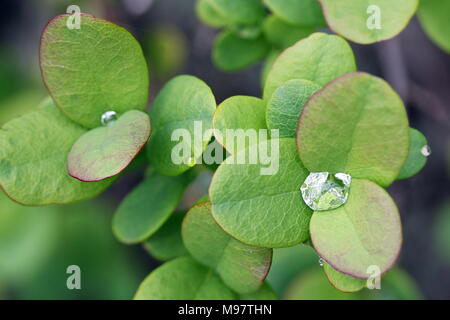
426 150
321 261
325 191
108 118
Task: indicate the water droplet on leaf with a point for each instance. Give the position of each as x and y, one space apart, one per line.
108 118
325 191
321 262
426 150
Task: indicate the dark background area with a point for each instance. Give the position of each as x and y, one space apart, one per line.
411 63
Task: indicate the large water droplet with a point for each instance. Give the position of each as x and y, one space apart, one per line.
426 150
325 191
108 118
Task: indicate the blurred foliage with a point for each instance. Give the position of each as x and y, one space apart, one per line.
296 275
442 232
165 48
37 244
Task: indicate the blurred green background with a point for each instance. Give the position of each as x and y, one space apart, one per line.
38 244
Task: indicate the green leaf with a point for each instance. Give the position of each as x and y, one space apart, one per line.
287 263
313 285
265 292
283 35
341 281
358 125
416 159
147 207
238 113
166 243
270 215
183 279
106 151
27 238
364 232
232 53
302 13
433 16
209 15
33 159
238 11
242 267
286 104
97 68
183 101
319 58
355 19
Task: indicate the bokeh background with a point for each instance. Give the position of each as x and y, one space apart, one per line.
37 244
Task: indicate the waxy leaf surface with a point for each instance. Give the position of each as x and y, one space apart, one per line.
238 113
286 104
96 68
242 267
33 159
319 58
262 210
363 233
368 21
105 151
184 101
147 207
341 281
358 125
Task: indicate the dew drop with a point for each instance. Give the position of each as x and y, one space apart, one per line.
321 262
325 191
108 118
426 150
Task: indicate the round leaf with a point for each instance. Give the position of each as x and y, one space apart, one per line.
242 267
167 243
182 102
94 69
238 11
319 58
231 53
357 20
238 113
365 232
270 215
433 15
357 124
286 104
147 208
33 159
416 159
183 279
106 151
341 281
303 13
